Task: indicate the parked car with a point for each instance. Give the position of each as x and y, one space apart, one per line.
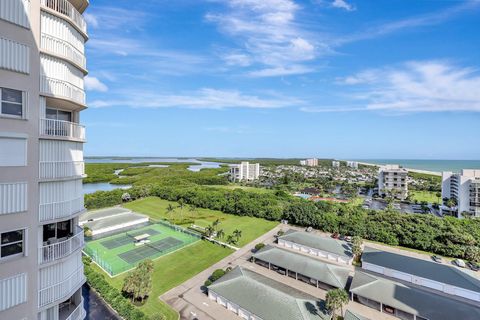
473 266
459 263
348 238
437 259
335 235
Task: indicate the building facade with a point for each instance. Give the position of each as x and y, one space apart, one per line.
352 164
392 180
245 171
42 67
313 162
464 188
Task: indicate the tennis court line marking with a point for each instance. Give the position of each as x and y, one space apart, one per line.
93 261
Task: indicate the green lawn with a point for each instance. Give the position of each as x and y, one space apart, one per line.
174 269
245 188
156 208
428 196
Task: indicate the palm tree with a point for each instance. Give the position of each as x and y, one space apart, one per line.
220 234
209 231
336 299
230 239
237 234
357 247
215 224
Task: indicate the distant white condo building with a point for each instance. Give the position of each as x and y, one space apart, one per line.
464 187
245 171
352 164
313 162
336 164
393 179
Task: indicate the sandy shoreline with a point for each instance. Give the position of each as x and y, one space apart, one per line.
434 173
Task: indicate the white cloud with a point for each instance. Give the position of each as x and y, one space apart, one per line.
206 98
268 34
237 59
343 5
94 84
91 20
429 86
280 71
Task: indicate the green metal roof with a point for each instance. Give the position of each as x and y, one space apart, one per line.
349 315
267 298
422 268
338 247
325 272
410 299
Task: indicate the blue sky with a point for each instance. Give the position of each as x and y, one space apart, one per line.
284 78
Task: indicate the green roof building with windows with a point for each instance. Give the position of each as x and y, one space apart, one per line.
250 294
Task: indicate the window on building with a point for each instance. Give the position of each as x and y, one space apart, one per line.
12 103
59 230
56 114
12 243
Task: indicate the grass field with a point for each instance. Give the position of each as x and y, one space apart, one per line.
156 208
118 253
245 188
428 196
174 269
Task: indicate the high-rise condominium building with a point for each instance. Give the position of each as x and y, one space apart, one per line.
312 162
352 164
245 171
42 67
336 164
464 188
392 180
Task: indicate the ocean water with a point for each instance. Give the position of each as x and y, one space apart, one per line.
429 165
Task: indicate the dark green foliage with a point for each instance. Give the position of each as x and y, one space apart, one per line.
259 246
217 274
445 236
425 182
111 295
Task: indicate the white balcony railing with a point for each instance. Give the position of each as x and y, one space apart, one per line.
61 290
59 128
63 48
61 169
77 314
59 250
67 9
62 88
59 210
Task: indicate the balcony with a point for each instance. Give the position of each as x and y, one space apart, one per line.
72 312
62 89
62 129
62 169
61 290
61 249
60 210
66 9
63 48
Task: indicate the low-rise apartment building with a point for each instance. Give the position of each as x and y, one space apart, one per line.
245 171
464 188
392 180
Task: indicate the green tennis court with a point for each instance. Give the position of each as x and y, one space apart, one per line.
120 252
